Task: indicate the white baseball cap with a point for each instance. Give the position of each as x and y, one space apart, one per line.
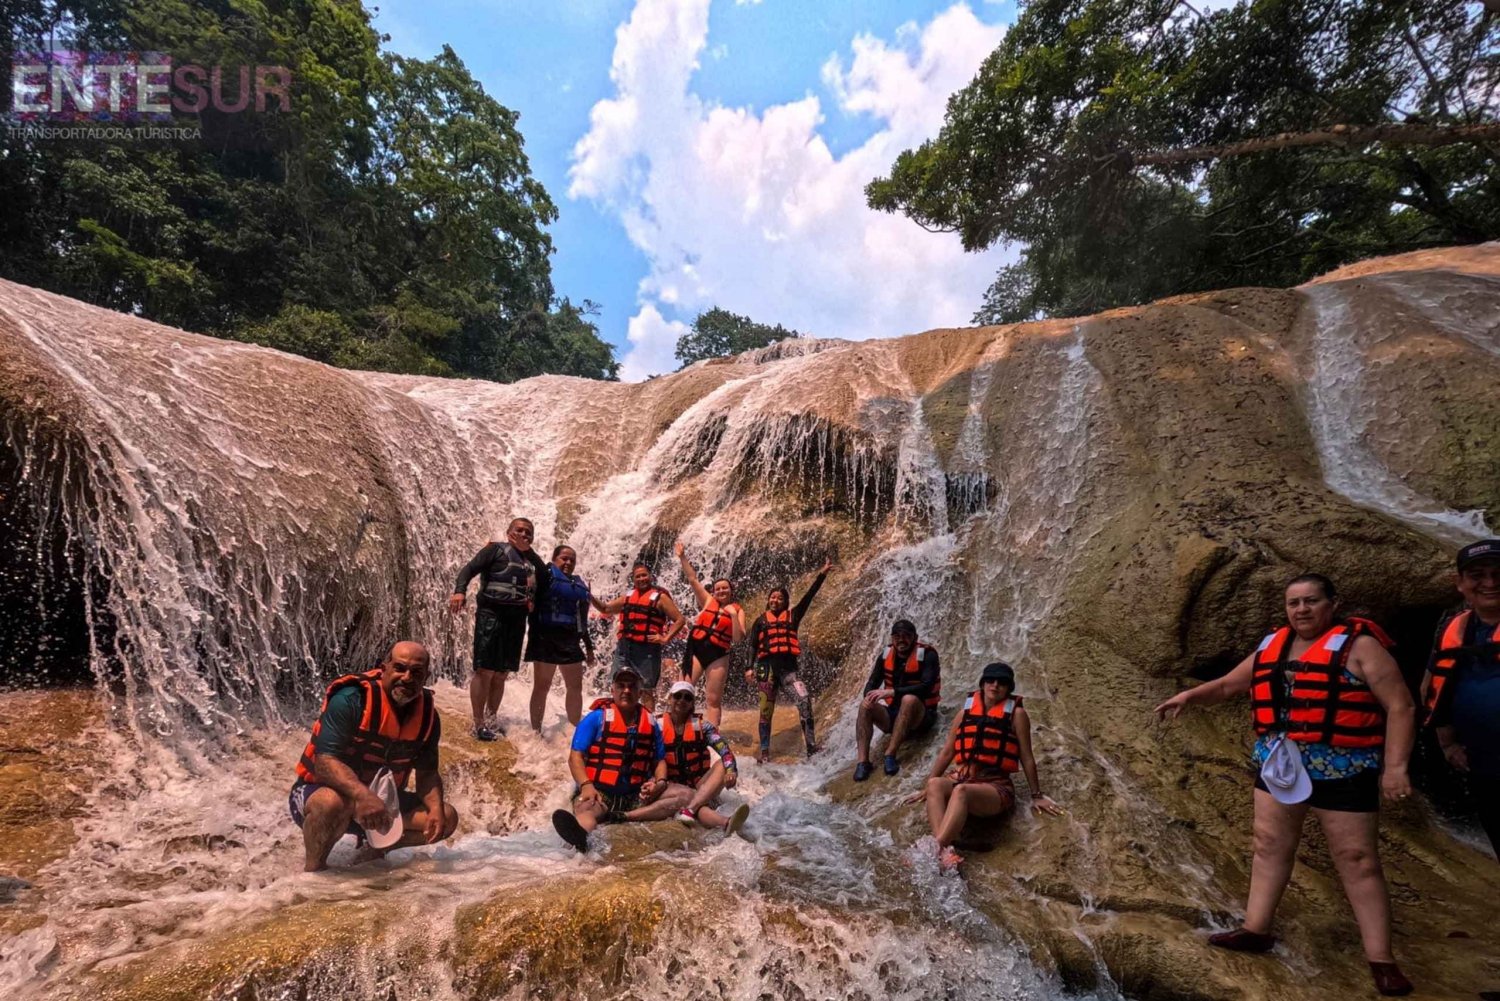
1286 779
681 686
384 786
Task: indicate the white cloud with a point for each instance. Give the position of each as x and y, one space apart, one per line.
653 344
752 211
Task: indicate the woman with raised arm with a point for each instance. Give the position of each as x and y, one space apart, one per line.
774 643
1328 703
719 627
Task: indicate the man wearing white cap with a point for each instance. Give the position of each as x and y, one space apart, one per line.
687 738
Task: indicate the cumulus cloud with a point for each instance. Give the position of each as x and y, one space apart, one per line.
653 343
752 211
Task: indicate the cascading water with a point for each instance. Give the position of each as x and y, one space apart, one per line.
253 524
1341 408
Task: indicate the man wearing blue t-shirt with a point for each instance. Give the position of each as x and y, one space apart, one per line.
619 764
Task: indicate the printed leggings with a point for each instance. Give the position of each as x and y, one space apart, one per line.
768 680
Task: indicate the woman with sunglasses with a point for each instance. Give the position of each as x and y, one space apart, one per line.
720 625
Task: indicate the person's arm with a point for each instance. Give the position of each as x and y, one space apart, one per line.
677 624
1040 801
584 735
691 576
581 618
1456 753
942 761
873 684
736 626
657 783
1236 682
336 728
726 753
812 593
481 559
543 571
1373 664
612 607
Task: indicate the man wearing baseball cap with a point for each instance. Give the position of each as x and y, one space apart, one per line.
900 698
619 763
1461 691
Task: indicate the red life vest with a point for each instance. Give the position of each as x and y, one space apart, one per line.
986 739
715 625
687 751
1321 705
777 635
1460 643
623 756
910 672
642 615
383 740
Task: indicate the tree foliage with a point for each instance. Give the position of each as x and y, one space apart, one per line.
387 220
1139 148
718 333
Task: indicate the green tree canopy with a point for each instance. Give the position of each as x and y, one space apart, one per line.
718 333
1139 148
387 220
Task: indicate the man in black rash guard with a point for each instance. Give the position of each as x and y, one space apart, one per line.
510 574
901 697
774 645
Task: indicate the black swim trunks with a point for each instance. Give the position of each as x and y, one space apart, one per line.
498 633
1359 793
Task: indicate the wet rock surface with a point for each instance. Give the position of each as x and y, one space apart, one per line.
1113 502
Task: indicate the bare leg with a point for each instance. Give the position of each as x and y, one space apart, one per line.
1352 842
1278 829
325 818
573 685
713 690
978 799
709 788
479 693
668 804
907 719
541 681
868 717
589 814
938 791
497 692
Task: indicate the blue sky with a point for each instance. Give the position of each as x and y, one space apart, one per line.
711 153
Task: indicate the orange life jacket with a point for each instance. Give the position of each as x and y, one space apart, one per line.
383 739
623 756
986 739
1321 705
909 672
687 751
1459 644
777 635
642 615
715 625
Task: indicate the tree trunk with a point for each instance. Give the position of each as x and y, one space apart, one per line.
1395 133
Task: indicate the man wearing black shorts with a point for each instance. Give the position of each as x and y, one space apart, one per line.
901 697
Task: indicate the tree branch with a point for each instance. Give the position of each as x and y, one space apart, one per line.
1394 133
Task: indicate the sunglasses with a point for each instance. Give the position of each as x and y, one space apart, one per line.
682 695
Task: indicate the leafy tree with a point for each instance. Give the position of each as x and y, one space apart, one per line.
1140 148
718 333
387 220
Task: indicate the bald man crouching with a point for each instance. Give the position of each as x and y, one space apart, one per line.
383 719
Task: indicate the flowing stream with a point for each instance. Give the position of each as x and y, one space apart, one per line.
246 525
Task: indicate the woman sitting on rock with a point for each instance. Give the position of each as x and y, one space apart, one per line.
1326 700
990 741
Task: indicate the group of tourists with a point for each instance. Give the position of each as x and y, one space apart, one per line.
1335 723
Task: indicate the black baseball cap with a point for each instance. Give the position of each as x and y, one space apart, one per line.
999 671
1484 549
903 626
